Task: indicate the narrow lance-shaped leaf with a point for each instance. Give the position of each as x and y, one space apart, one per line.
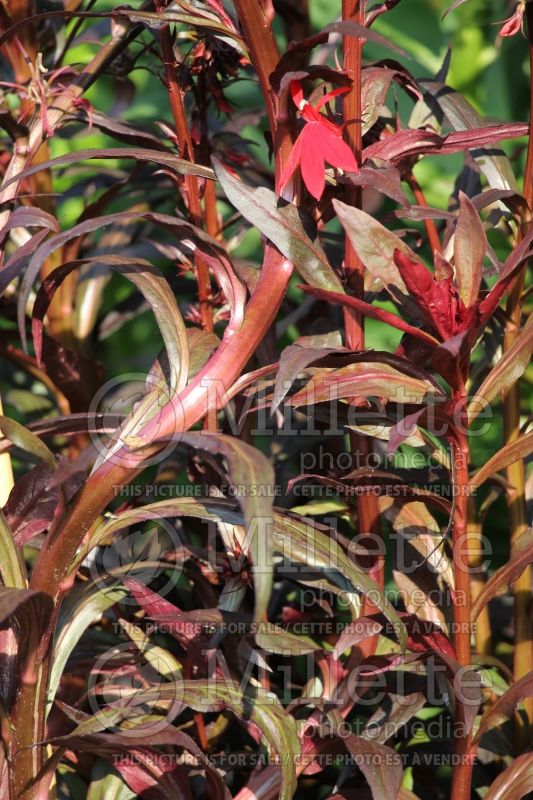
374 312
275 639
393 714
12 567
515 782
282 225
153 286
159 20
83 605
293 360
363 380
158 657
351 28
179 228
381 766
469 248
521 556
27 441
375 245
507 371
492 161
160 157
296 540
106 784
504 706
521 448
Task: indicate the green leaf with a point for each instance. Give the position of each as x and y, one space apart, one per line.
293 360
381 766
160 659
504 706
84 604
275 639
12 567
153 286
298 541
303 542
27 441
282 225
492 161
106 784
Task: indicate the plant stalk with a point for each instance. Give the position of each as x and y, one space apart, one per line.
191 181
462 772
197 399
368 513
482 633
515 473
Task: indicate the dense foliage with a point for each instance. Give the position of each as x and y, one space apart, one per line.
264 425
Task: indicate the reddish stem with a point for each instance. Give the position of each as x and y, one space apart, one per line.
190 181
352 48
367 504
429 224
462 772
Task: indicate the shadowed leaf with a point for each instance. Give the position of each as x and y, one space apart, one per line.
253 475
381 766
507 371
512 452
521 556
504 706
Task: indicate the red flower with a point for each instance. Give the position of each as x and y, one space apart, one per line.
320 141
516 22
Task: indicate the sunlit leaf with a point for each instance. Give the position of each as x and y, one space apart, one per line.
282 224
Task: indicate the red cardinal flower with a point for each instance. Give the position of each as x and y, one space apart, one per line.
319 142
516 22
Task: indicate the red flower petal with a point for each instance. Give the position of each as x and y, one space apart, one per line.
330 95
336 152
297 93
513 24
292 162
312 161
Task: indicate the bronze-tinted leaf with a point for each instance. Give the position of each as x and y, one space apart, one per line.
521 556
521 448
282 224
469 247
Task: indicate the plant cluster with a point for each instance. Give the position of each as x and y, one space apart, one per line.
257 502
